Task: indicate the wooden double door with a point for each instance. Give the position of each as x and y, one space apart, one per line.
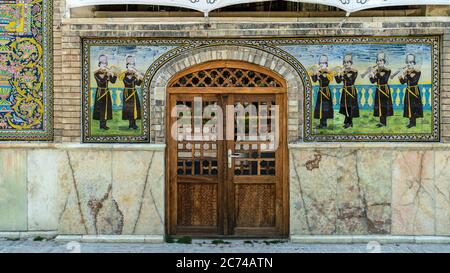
226 153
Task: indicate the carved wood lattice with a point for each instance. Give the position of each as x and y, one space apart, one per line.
226 77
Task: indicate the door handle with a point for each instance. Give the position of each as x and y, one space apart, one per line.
231 156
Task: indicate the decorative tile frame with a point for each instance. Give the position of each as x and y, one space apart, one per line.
268 47
87 137
434 136
28 111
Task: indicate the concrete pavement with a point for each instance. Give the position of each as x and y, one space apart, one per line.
207 246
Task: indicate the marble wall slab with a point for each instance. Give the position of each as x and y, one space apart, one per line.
414 195
111 192
42 191
13 190
373 169
442 191
138 185
313 193
340 191
370 191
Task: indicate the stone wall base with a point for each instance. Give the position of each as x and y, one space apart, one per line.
360 239
19 235
300 239
153 239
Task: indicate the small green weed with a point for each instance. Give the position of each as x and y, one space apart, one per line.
220 242
185 240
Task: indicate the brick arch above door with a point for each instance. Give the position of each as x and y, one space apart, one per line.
157 82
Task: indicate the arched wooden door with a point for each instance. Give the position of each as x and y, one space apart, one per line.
222 179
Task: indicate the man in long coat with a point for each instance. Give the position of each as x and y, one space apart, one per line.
349 95
412 105
131 110
324 103
103 101
383 99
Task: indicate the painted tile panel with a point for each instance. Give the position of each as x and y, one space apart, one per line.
354 88
26 93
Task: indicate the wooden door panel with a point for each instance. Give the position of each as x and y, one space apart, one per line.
197 178
253 178
197 204
255 205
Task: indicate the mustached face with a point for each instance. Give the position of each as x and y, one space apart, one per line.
347 64
380 63
410 64
323 65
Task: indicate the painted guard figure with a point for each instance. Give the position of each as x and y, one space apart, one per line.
349 95
131 110
412 105
324 104
103 101
383 98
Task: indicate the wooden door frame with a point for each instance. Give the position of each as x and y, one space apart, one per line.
285 222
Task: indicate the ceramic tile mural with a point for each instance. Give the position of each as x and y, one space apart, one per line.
371 89
25 74
115 103
355 88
